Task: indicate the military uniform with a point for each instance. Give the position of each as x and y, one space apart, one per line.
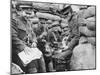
18 44
73 39
74 31
20 30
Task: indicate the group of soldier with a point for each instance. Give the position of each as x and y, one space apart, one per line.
52 49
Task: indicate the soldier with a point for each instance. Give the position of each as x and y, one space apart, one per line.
19 30
73 36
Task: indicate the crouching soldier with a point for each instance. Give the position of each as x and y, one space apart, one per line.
23 55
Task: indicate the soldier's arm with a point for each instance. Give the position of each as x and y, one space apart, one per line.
75 35
17 44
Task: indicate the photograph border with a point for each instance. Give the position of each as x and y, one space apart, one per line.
55 3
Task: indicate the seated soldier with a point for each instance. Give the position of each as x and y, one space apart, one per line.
19 32
39 64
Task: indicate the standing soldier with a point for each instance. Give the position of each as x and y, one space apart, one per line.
73 36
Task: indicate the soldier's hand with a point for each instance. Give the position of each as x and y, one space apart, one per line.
58 56
62 55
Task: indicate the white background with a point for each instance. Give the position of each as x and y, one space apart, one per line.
5 37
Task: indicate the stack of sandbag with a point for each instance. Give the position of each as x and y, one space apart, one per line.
88 24
84 54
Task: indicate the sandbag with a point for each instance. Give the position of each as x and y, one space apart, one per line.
85 31
86 13
91 18
65 29
92 9
83 57
83 40
89 12
49 22
48 16
57 28
57 6
83 7
91 25
41 6
64 20
47 6
92 40
54 24
63 25
34 20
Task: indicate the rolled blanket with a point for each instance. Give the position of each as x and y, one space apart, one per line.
85 31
